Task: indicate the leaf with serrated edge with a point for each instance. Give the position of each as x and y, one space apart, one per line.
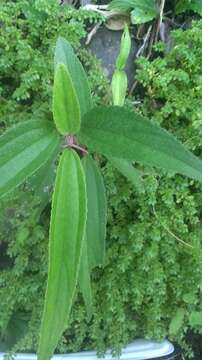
94 250
118 132
24 149
64 54
85 280
67 229
66 109
97 213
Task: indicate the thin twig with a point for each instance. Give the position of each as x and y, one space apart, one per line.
151 42
92 33
132 89
145 40
170 232
139 52
161 12
159 23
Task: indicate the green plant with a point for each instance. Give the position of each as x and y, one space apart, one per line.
187 5
119 79
144 11
29 31
127 135
172 89
140 11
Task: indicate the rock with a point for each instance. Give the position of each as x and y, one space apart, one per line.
105 44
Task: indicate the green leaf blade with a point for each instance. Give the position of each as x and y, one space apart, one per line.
24 149
93 253
120 133
124 49
119 87
67 229
129 171
122 5
64 54
97 213
85 280
187 5
66 109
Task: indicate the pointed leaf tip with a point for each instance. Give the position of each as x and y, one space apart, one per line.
124 134
66 109
64 54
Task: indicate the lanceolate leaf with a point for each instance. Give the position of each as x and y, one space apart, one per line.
85 280
121 133
64 54
97 213
41 182
94 249
124 49
66 109
67 229
129 171
23 150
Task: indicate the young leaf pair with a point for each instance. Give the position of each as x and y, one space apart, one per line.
119 78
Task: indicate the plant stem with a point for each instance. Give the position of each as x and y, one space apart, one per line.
162 4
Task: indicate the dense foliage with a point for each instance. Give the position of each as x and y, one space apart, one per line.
152 280
28 35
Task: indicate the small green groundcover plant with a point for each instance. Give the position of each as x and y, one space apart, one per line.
78 215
